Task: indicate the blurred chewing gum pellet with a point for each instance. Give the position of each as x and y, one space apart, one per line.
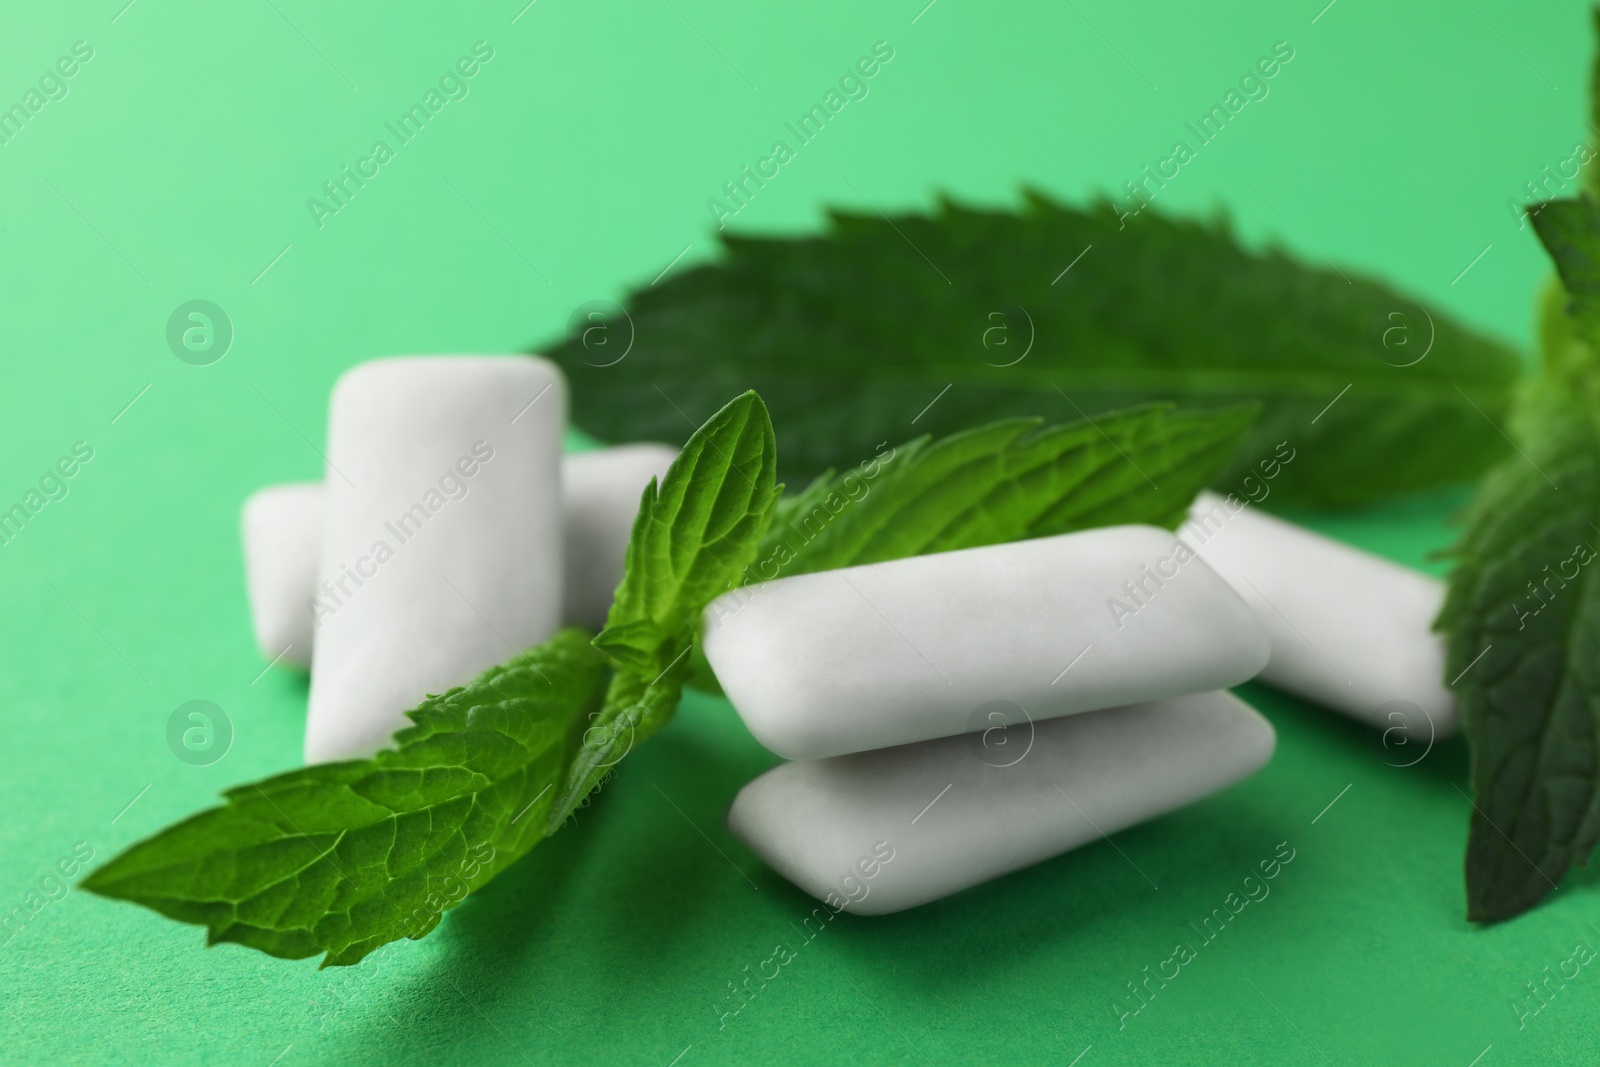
441 550
1349 630
282 533
282 528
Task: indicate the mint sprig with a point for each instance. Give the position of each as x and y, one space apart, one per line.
341 858
694 536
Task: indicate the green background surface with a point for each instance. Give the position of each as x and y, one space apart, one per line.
178 167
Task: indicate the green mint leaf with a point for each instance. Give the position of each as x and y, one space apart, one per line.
634 708
1522 616
341 858
1008 481
1525 597
693 537
1570 325
853 334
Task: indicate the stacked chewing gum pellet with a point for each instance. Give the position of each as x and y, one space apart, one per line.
963 714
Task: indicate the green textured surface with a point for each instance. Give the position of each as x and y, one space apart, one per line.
178 167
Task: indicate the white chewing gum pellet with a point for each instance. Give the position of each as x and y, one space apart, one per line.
600 493
1349 630
441 549
958 811
890 653
282 533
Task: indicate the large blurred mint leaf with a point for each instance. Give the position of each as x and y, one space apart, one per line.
1523 611
854 335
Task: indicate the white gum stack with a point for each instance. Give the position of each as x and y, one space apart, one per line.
889 684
